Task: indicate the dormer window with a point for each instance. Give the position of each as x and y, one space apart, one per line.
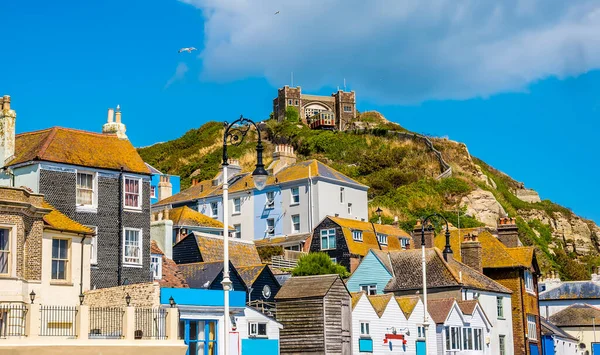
382 239
404 242
357 235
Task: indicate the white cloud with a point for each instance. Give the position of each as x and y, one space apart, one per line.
394 51
180 71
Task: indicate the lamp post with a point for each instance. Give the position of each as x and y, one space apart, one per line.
32 296
378 211
447 249
234 135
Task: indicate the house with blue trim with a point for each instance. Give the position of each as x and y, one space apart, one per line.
162 185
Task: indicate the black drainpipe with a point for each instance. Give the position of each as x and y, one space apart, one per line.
119 232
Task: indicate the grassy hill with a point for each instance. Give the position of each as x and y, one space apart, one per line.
402 175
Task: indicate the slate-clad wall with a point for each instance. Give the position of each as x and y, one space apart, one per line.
263 279
341 252
59 188
186 251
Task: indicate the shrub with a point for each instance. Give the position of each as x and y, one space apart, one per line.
318 264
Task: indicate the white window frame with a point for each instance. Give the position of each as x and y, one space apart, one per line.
348 107
238 231
502 344
214 214
500 307
253 328
140 239
153 191
270 202
477 339
270 230
93 207
357 235
342 194
333 260
140 193
370 289
382 238
94 246
294 229
349 208
529 282
467 338
365 332
404 243
67 261
531 327
11 254
420 331
452 343
237 207
289 101
326 234
156 266
295 196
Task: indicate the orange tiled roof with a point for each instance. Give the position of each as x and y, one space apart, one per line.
58 221
185 216
241 253
154 249
70 146
380 302
468 307
298 171
494 254
407 304
171 275
439 309
369 238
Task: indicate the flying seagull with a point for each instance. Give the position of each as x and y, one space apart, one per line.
187 49
276 12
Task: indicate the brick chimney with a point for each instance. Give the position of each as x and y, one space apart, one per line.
283 157
165 189
508 232
8 120
113 124
416 236
471 252
161 231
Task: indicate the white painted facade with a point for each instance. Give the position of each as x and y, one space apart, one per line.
585 335
392 317
501 324
250 315
457 319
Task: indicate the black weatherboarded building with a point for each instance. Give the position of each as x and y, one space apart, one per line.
97 179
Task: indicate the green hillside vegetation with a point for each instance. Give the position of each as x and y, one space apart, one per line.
400 172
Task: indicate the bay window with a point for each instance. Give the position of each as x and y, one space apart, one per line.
452 338
5 254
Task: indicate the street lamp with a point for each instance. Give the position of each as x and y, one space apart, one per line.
378 211
172 302
447 250
81 297
234 135
128 299
32 296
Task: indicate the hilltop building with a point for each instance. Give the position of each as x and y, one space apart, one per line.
297 196
96 179
324 112
556 295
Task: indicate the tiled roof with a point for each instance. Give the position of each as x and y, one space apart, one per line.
171 275
241 253
439 309
407 304
494 254
468 307
185 216
250 273
578 314
407 268
572 290
356 297
380 302
58 221
369 238
306 287
70 146
550 329
243 182
201 275
288 239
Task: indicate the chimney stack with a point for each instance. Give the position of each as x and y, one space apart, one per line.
471 252
165 188
161 231
8 120
116 126
508 232
416 236
283 156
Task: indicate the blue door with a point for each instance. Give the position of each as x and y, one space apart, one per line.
420 347
595 348
534 349
200 336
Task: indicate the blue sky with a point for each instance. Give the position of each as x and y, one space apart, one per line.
515 80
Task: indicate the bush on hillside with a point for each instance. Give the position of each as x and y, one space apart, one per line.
318 264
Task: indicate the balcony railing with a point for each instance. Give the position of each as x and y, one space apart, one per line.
12 319
288 260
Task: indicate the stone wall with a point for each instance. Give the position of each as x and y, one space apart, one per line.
142 295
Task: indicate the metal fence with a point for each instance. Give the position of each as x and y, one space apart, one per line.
150 323
106 323
12 319
58 321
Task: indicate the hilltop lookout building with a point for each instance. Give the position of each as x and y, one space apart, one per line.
328 112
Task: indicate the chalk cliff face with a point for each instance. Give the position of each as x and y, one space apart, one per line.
409 175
